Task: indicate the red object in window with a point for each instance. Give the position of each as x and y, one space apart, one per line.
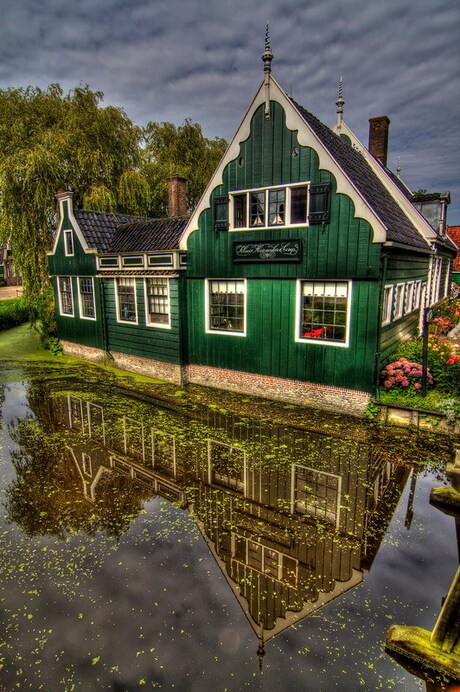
315 333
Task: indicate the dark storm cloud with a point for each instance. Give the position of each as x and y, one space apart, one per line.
169 59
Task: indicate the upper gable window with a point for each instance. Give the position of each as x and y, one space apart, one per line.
300 204
68 243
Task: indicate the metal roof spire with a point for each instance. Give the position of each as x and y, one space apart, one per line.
267 58
339 103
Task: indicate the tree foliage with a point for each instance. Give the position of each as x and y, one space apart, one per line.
183 150
51 142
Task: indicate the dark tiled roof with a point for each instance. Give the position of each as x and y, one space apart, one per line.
399 228
148 234
98 227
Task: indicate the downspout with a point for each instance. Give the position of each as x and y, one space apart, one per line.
105 335
379 326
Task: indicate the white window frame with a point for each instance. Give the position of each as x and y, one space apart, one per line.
387 308
117 300
80 300
68 234
409 297
287 211
323 473
61 311
228 332
79 401
86 464
298 312
398 307
148 322
211 470
417 294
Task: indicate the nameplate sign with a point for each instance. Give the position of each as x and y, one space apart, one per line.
268 251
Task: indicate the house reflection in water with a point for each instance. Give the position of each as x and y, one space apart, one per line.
293 518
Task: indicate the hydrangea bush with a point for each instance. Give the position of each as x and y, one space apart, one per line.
404 374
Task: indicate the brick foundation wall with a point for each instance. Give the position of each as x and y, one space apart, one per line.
295 391
157 369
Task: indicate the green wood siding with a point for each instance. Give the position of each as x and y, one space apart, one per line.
402 267
75 329
339 250
139 339
269 348
80 264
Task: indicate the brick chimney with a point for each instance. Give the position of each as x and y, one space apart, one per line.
177 196
378 137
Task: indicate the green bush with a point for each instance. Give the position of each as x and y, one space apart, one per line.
12 313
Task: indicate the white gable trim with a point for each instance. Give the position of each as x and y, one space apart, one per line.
67 197
306 137
417 219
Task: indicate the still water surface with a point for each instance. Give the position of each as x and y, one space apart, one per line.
146 547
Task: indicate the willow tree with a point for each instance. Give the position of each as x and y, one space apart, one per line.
50 142
182 149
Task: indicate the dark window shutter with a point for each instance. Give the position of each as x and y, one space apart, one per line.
221 213
320 194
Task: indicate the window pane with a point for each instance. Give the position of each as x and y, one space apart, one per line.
65 290
126 300
239 211
158 301
226 305
324 310
257 209
87 297
298 205
276 207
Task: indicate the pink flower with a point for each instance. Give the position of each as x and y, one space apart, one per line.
405 383
417 385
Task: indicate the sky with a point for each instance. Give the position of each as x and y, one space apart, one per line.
167 60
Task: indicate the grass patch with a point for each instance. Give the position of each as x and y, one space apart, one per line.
13 312
439 402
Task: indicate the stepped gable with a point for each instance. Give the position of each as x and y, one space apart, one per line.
143 235
98 227
399 228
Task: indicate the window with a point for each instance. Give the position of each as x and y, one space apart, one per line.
316 493
409 298
87 304
133 438
68 243
398 301
226 306
417 294
157 302
226 465
264 559
126 300
387 304
303 203
75 407
86 464
96 425
324 311
65 295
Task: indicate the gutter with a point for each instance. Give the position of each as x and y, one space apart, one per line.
391 243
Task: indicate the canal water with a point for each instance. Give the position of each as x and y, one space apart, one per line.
146 545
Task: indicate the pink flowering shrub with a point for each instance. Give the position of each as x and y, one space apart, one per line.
405 375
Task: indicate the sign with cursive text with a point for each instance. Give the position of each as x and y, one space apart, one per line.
268 251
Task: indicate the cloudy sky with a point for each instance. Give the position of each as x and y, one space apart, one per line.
173 59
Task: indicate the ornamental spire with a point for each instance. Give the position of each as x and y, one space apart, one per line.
267 58
339 103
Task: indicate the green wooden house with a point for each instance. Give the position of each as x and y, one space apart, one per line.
302 267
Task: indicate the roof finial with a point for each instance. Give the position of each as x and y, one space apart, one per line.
267 58
398 168
339 103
